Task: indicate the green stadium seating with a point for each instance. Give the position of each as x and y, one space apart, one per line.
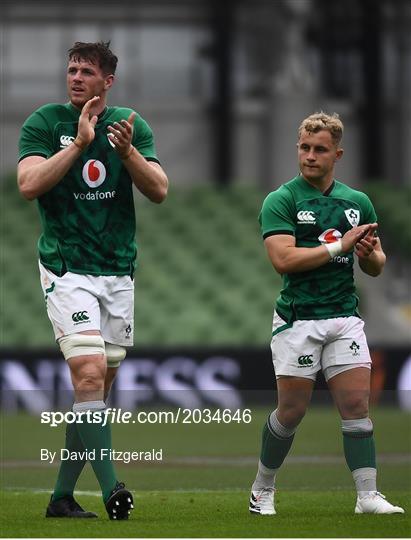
203 277
393 207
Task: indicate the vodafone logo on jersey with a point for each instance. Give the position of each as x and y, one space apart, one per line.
94 173
329 236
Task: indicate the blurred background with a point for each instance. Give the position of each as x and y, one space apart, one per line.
224 85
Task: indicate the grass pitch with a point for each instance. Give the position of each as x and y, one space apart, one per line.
175 514
201 488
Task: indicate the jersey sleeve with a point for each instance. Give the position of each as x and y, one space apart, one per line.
277 214
36 138
368 212
143 140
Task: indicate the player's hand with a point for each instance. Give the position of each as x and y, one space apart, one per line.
121 135
86 124
365 246
355 235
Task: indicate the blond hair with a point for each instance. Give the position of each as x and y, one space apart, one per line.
321 121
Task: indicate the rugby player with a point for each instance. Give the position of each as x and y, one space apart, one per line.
80 160
313 226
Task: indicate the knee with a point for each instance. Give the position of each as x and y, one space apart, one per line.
355 406
290 415
85 355
89 382
88 379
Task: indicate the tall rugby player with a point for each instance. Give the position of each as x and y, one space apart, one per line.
80 160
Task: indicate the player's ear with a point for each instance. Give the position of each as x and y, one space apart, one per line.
339 154
108 81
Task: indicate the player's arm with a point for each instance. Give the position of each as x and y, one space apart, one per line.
36 175
371 256
288 259
148 176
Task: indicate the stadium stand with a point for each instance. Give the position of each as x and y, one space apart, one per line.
393 205
203 276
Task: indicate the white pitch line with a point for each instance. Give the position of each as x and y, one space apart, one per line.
40 491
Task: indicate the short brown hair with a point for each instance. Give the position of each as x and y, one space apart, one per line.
96 53
321 121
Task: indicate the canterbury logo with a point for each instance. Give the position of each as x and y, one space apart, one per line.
80 316
306 216
305 360
65 140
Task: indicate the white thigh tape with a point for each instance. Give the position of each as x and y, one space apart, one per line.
81 345
115 354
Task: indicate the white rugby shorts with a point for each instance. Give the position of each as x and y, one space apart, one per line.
77 302
306 347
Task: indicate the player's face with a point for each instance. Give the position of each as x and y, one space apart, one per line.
86 80
317 154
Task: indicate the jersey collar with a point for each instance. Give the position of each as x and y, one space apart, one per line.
326 193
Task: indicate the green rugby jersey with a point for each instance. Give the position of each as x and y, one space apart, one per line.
316 218
88 217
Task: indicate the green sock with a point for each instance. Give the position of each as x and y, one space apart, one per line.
274 448
97 437
69 470
359 449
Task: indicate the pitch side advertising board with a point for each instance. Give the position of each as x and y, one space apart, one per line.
195 377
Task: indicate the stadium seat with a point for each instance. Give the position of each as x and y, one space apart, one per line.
202 277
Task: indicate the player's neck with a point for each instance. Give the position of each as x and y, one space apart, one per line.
322 184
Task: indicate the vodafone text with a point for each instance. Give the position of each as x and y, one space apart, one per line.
340 259
95 196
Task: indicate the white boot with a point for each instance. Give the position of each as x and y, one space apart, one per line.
262 502
375 503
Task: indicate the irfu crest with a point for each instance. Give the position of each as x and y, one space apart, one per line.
353 216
